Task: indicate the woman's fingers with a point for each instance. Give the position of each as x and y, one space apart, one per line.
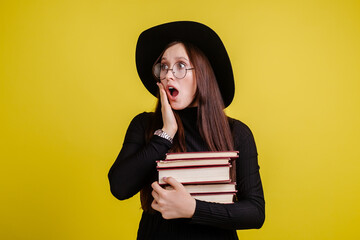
176 203
155 205
169 121
157 188
155 195
163 96
174 183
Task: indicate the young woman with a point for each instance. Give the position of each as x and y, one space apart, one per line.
186 65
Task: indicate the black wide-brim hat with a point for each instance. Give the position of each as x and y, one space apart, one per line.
152 42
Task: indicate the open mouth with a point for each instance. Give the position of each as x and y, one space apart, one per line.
173 91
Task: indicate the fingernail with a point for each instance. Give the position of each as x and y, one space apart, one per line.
164 178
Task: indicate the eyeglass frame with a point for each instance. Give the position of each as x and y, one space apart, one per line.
172 70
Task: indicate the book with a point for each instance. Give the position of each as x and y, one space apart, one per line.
205 174
192 162
216 197
227 187
199 155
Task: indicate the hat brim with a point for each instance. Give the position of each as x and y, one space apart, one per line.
152 42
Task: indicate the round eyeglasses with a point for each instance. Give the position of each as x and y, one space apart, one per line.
179 70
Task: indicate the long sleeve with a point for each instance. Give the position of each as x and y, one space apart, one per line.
136 162
249 210
135 168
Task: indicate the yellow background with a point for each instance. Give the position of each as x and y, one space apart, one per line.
69 88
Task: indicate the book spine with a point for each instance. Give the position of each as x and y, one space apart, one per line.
213 193
190 167
199 155
201 182
184 153
197 158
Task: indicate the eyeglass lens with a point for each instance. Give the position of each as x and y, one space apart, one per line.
160 70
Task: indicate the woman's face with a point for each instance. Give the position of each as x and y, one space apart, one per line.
180 92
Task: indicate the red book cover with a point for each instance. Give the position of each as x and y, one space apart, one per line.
202 182
200 155
189 167
213 193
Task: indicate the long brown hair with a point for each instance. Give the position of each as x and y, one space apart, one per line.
212 122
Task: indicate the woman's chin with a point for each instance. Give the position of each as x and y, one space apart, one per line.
180 105
177 106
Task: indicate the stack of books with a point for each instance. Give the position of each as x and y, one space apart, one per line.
207 176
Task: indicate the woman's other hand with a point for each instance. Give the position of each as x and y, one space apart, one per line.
169 120
176 203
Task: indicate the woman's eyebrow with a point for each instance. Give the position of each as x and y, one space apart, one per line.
182 58
176 58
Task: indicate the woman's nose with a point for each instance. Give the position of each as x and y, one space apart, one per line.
170 75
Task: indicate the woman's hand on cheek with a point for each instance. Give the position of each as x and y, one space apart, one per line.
170 125
176 203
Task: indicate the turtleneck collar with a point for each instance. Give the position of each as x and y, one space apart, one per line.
194 142
188 114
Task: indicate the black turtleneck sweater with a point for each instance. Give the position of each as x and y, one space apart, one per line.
135 167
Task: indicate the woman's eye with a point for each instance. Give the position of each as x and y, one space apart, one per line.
181 65
163 67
